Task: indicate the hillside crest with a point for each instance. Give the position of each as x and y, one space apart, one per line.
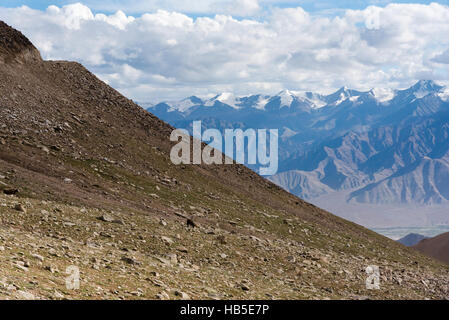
15 47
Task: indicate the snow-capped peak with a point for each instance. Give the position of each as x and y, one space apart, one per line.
227 98
425 87
185 104
315 100
306 100
339 96
286 97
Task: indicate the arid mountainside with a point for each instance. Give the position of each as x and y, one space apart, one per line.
437 247
86 181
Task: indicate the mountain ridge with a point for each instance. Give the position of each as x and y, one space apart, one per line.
316 100
377 150
412 239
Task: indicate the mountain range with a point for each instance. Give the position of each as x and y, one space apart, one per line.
412 239
366 152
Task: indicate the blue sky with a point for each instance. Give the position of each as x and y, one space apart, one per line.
137 7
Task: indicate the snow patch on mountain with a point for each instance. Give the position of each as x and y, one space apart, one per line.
288 133
444 94
227 98
287 98
421 93
183 105
424 88
316 101
383 95
340 100
261 103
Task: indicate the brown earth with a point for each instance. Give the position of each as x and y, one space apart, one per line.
97 190
437 247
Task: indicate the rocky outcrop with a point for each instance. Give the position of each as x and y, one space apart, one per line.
15 47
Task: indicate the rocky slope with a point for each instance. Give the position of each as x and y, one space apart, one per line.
86 182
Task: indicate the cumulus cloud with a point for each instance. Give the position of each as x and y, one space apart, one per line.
169 55
239 8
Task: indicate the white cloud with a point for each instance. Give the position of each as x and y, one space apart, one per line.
235 7
241 8
169 55
71 16
119 19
